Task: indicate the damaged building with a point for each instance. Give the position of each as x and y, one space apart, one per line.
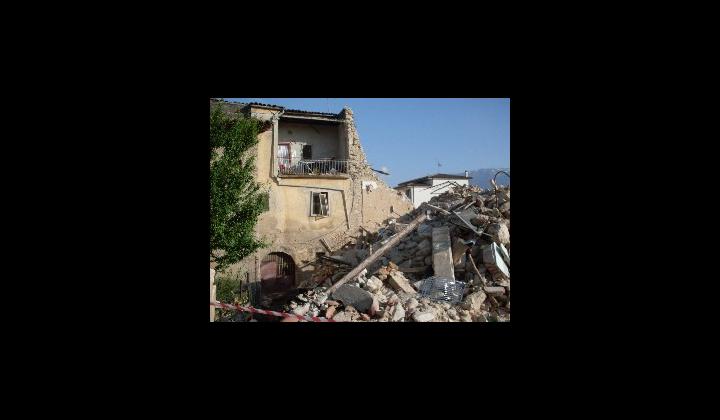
422 190
322 195
446 261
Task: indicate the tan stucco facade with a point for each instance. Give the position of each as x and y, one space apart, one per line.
288 226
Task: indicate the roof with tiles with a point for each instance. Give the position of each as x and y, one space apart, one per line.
287 111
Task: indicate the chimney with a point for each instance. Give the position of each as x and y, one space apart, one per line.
466 174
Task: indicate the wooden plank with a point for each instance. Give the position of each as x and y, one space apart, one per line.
443 211
475 269
322 241
377 254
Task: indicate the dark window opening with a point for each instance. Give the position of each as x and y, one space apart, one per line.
320 205
307 152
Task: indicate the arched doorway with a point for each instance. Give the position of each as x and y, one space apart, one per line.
277 275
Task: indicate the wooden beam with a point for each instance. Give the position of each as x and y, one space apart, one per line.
443 211
291 116
377 254
322 241
475 269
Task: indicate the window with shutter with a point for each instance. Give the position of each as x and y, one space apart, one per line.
324 204
319 204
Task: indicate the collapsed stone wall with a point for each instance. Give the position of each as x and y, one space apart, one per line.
381 202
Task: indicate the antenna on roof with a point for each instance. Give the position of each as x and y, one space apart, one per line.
438 163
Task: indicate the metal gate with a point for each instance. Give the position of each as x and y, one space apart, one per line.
277 275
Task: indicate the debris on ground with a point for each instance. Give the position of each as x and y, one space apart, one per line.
427 276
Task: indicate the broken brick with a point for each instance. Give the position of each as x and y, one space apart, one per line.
398 281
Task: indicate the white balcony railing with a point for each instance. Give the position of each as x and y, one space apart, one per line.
318 167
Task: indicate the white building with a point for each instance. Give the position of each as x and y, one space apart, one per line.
423 189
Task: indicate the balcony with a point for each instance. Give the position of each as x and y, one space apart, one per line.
326 168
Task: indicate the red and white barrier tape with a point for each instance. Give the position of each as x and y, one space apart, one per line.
273 313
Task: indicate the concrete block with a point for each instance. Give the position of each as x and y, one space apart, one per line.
400 283
398 313
442 253
494 290
423 316
493 261
353 296
504 253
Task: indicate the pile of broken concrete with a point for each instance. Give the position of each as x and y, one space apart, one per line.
465 240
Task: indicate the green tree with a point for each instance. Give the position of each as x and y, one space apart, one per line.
235 197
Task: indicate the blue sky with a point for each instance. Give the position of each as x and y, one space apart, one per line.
408 136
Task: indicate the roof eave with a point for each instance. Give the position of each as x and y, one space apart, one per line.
292 116
266 106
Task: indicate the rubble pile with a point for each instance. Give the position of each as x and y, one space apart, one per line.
477 257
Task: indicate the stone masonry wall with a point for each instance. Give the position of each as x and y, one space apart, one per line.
367 209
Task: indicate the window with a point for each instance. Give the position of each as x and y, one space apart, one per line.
408 192
283 151
307 152
319 204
